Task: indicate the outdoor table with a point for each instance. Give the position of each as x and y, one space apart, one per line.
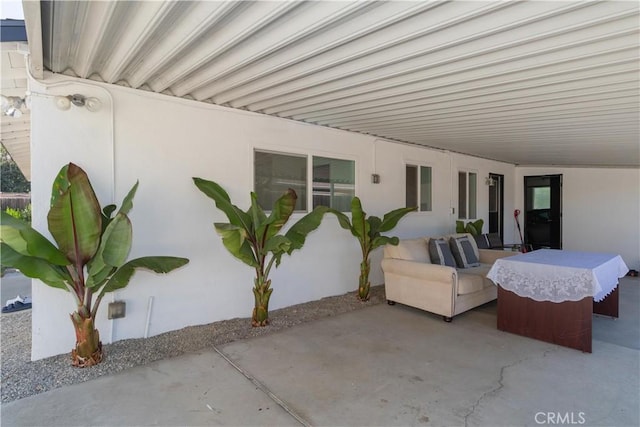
551 294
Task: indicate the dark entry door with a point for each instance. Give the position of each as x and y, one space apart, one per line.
496 204
543 211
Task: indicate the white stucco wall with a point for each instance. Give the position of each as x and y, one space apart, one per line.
600 209
163 142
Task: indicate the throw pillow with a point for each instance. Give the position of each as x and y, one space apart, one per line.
440 253
482 240
463 252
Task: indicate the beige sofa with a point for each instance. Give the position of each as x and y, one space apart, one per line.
411 279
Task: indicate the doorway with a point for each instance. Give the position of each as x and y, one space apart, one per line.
496 204
543 211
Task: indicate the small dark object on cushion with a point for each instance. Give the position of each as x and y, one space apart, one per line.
633 273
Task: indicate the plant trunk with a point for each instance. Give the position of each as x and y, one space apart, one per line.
88 351
262 292
364 284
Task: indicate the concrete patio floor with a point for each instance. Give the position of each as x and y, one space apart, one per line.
383 365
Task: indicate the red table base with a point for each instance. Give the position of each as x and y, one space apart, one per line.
609 305
567 323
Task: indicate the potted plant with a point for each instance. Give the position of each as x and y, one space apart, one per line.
473 227
369 231
253 237
90 258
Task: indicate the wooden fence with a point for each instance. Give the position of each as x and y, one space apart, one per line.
17 201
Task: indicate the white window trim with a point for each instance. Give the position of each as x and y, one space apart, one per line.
467 172
290 151
418 164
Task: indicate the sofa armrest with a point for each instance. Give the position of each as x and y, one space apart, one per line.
489 256
419 270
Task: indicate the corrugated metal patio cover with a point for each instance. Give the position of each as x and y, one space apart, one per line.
533 83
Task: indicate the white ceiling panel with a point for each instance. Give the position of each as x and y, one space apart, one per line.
528 82
15 132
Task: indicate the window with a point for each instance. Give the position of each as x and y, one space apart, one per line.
541 197
467 195
333 181
418 187
275 173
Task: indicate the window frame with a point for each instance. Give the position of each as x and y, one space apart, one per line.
467 197
308 156
419 166
280 153
311 177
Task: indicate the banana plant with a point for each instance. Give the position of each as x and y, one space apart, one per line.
473 227
90 257
253 237
368 232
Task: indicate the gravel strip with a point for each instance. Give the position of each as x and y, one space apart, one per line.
22 378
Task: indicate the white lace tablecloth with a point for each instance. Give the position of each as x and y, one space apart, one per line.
558 275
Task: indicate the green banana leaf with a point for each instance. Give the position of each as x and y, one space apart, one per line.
223 202
359 226
233 238
280 214
476 227
75 219
127 202
277 245
158 264
384 240
367 230
343 220
256 213
112 253
390 219
298 232
472 227
116 241
25 240
35 268
374 225
250 236
88 237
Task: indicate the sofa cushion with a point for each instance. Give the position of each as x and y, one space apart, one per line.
473 241
482 241
473 279
440 252
469 283
409 249
462 250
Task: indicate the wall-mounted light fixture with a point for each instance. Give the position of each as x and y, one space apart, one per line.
90 103
12 105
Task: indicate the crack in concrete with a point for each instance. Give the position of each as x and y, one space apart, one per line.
500 386
264 389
